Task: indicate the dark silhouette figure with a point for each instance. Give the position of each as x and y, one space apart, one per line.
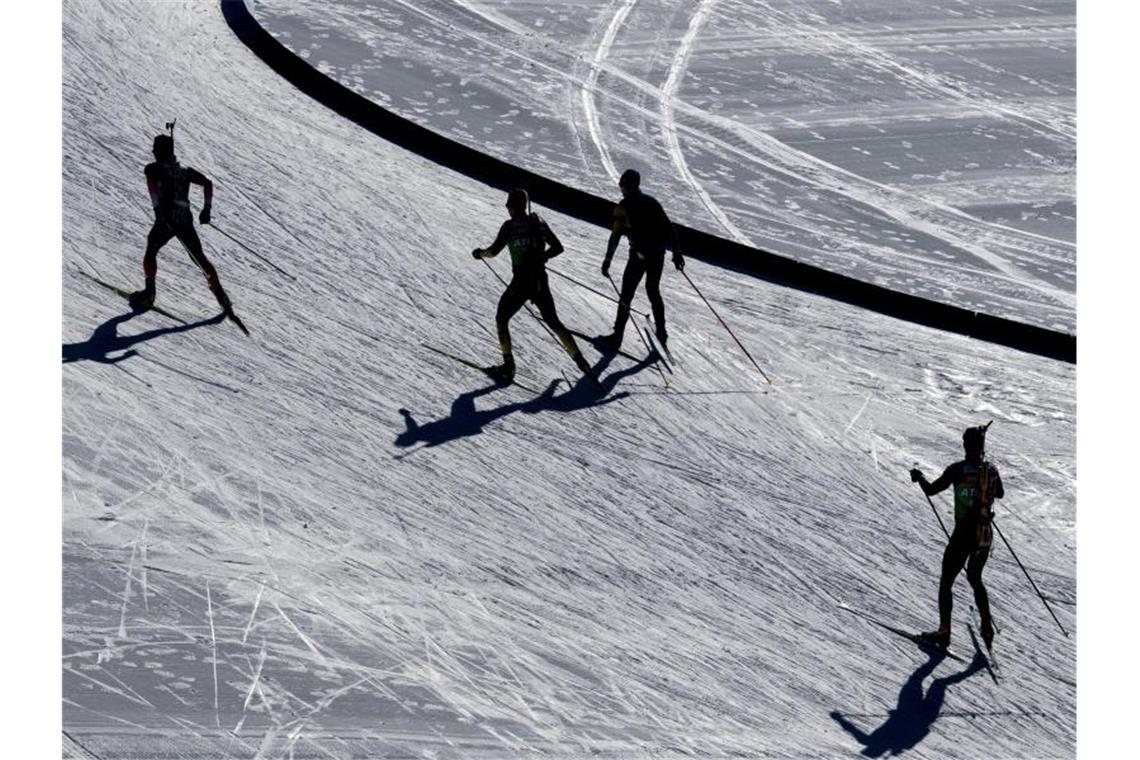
531 243
168 183
640 217
976 484
910 721
106 340
466 420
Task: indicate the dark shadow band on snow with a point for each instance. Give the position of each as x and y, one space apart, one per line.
591 208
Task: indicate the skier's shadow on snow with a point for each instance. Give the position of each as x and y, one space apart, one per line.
465 420
106 340
910 721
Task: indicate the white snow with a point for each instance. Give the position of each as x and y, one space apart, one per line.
324 540
929 148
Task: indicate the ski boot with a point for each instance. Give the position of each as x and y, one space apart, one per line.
503 373
141 300
610 342
662 335
939 638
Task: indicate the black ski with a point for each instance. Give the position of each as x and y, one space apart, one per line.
126 294
914 637
991 663
236 320
476 365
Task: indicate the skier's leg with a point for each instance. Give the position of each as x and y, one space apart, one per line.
545 303
509 303
634 269
158 236
653 268
953 560
974 567
189 237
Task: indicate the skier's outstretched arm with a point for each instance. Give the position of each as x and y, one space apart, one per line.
938 486
493 250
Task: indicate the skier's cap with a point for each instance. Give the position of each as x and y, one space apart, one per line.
163 145
630 178
517 198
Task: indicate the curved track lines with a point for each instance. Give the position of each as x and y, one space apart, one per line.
591 84
984 240
668 99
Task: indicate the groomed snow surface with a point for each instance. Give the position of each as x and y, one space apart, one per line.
324 540
928 148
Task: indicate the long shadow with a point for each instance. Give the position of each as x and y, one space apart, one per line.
916 711
465 420
106 339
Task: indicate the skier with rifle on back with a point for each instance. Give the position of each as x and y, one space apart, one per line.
531 244
169 187
641 218
976 484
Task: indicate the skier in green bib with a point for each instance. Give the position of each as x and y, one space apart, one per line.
531 244
976 484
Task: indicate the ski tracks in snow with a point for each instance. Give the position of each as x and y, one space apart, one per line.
589 87
668 101
990 243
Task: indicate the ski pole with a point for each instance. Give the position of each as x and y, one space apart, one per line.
931 501
1042 596
593 290
644 341
726 327
255 253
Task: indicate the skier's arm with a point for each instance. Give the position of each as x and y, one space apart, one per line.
500 242
996 489
554 245
943 482
195 177
672 241
152 188
620 227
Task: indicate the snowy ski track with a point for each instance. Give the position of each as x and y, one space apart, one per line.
326 541
929 149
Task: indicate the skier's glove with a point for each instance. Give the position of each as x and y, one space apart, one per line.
204 217
916 475
679 262
477 253
606 268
